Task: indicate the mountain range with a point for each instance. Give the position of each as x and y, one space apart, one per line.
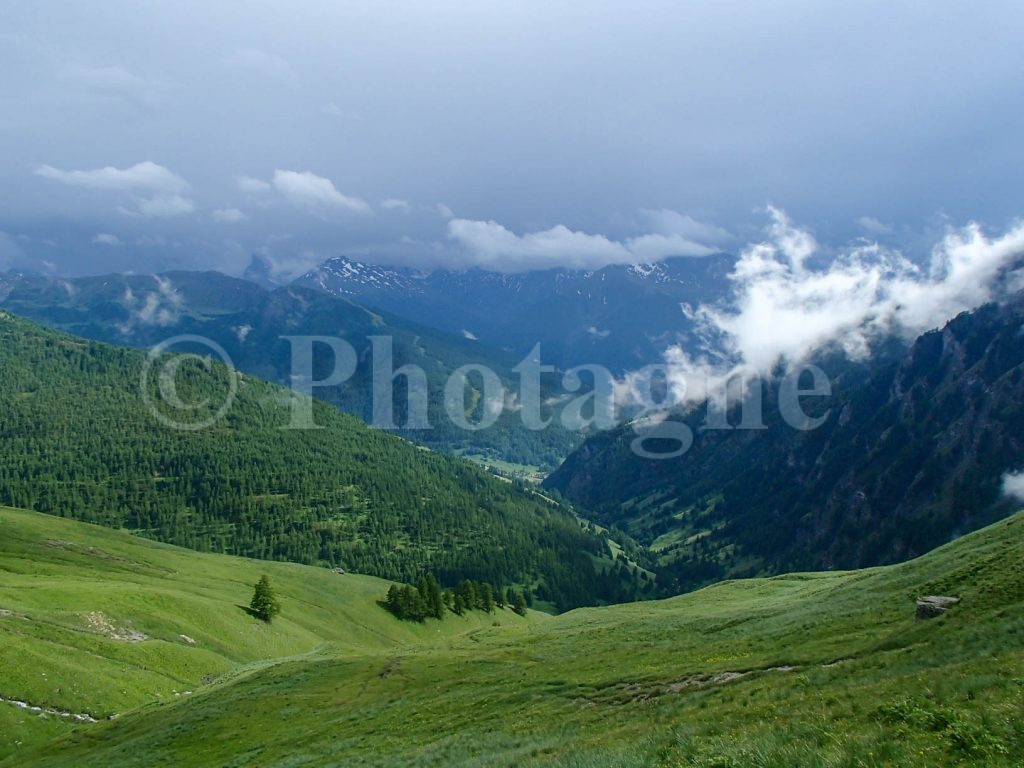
621 316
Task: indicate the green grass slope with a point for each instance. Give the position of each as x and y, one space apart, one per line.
97 622
801 670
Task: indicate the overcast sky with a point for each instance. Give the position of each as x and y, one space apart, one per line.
144 136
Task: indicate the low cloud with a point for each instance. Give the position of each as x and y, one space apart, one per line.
664 221
104 238
495 246
161 307
310 192
784 310
655 247
781 310
1013 485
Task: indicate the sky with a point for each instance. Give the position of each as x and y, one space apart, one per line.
148 136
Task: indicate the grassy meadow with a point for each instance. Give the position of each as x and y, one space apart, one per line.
828 669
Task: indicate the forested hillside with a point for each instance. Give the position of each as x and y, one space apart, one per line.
79 441
249 323
913 454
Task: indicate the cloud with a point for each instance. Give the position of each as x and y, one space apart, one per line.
159 308
495 246
600 334
655 247
1013 485
782 311
261 62
395 204
104 238
469 335
227 215
664 221
444 211
146 176
249 184
315 193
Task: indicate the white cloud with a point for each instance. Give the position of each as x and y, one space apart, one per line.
103 238
496 247
595 331
469 335
260 61
444 211
1013 485
227 215
249 184
664 221
315 193
146 176
395 204
160 308
655 247
493 245
783 311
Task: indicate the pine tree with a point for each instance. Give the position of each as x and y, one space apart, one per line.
264 603
486 597
519 606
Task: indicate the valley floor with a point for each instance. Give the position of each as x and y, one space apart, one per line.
798 670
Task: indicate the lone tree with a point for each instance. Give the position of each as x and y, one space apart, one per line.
264 604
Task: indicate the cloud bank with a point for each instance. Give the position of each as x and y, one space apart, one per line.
494 246
784 307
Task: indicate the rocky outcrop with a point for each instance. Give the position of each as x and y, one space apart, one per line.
930 606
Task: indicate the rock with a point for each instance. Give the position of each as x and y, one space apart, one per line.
930 606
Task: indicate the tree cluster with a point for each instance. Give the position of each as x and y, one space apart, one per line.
429 600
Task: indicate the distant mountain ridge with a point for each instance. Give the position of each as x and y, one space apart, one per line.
620 316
